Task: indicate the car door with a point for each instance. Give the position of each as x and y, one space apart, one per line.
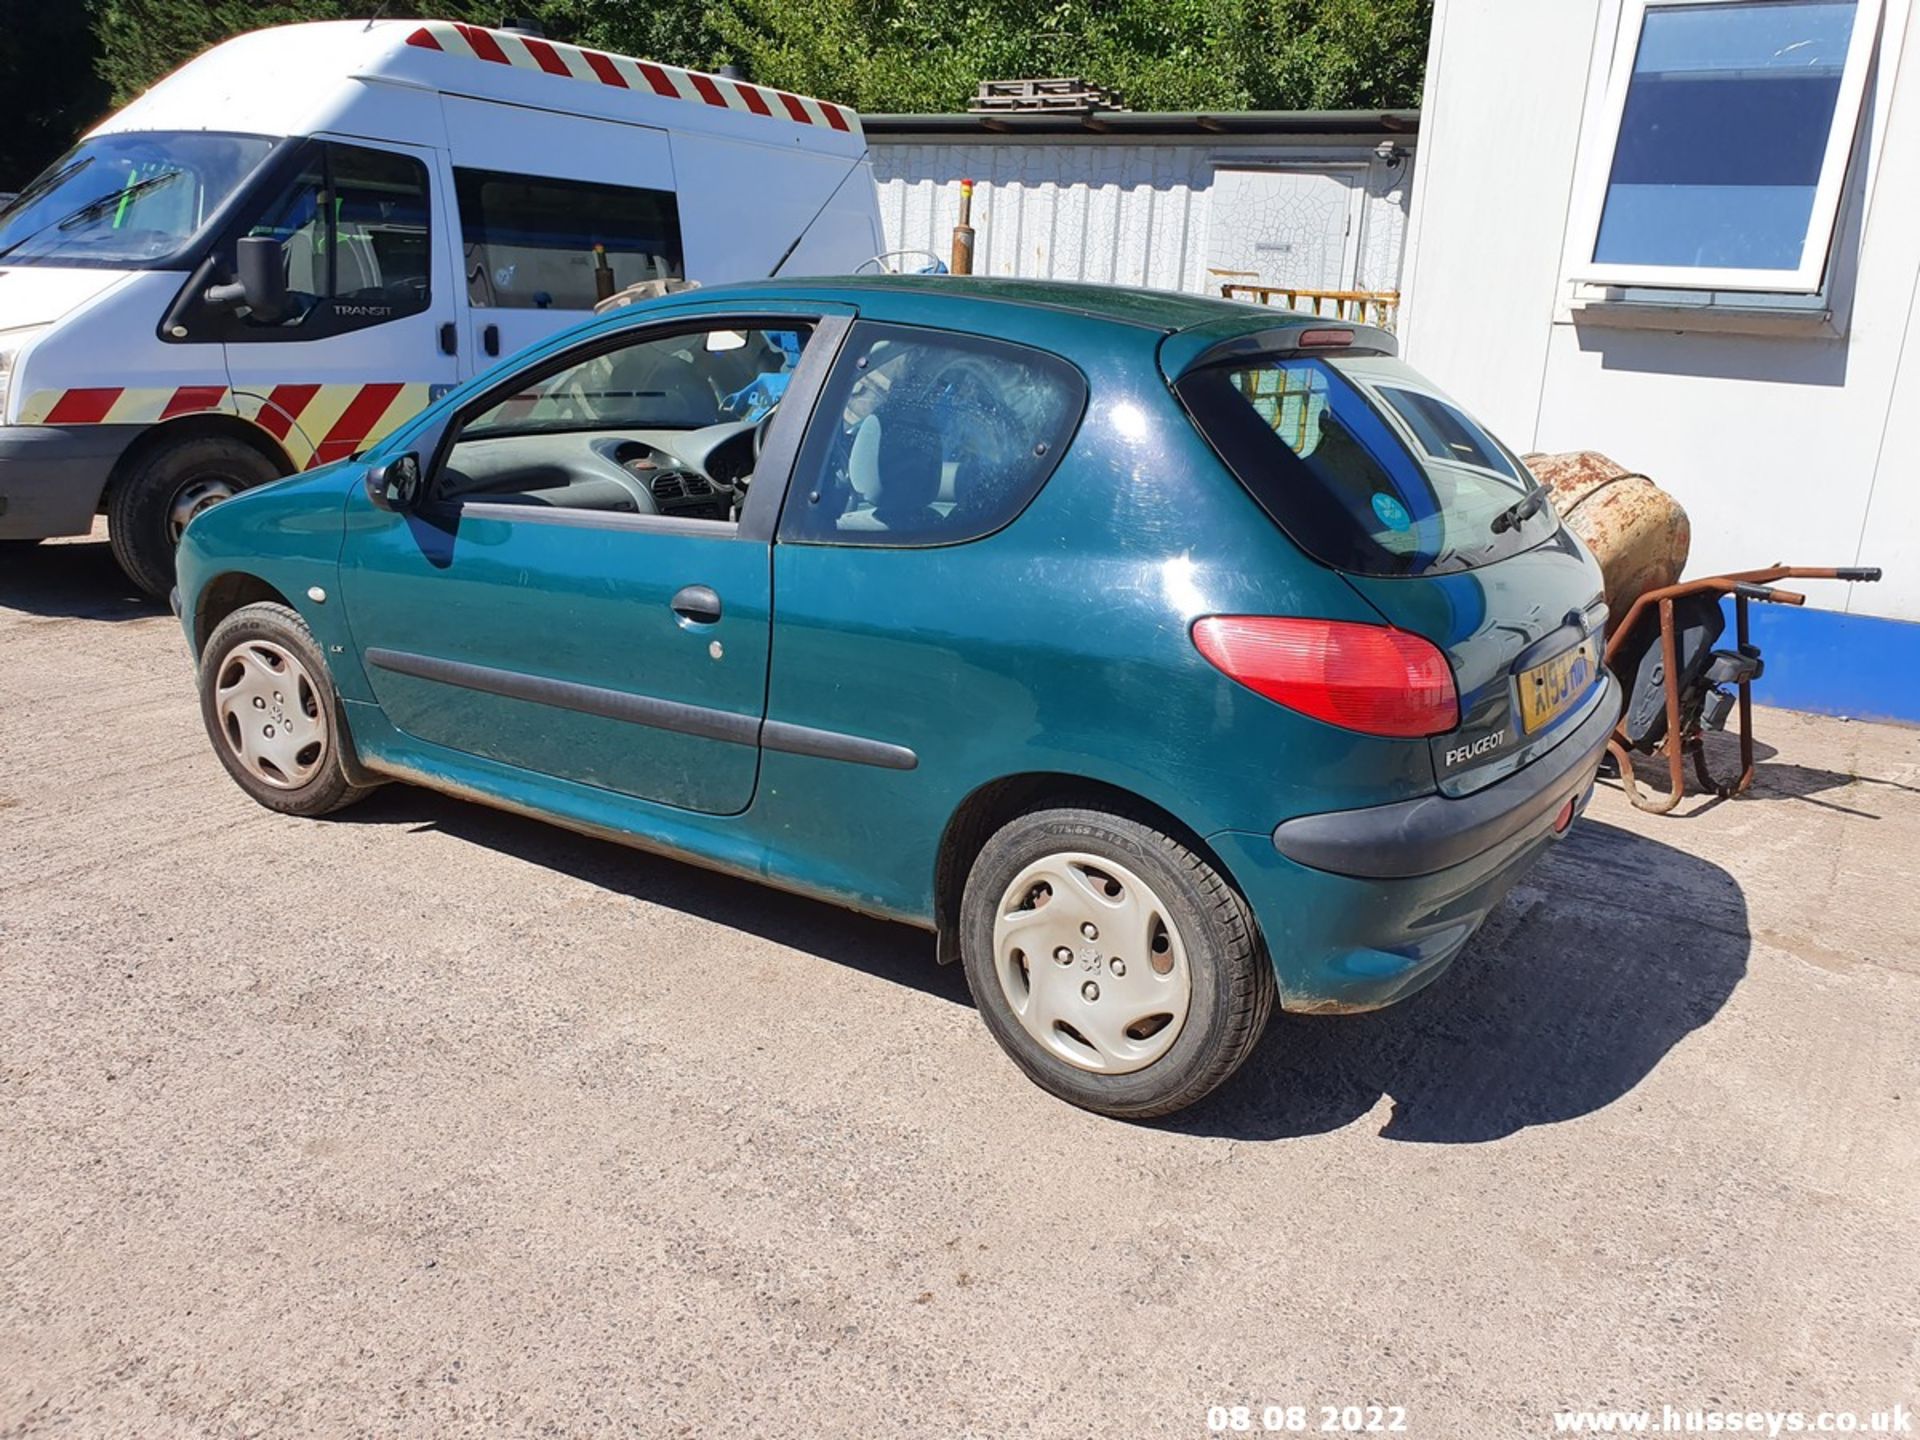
576 594
556 211
368 336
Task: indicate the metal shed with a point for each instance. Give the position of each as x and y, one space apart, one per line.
1295 203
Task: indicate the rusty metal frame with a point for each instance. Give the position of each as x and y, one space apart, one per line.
1744 586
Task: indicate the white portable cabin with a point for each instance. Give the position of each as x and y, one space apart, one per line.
443 195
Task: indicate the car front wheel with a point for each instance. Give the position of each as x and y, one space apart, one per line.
1116 966
272 713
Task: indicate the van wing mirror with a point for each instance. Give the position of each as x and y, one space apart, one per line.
262 279
395 485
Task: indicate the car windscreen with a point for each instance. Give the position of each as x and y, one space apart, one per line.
1365 464
128 199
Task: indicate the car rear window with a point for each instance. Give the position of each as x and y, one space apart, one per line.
1365 464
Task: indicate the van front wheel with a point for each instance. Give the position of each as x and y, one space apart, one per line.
151 503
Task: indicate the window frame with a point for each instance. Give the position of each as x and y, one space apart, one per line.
830 323
812 455
1601 150
205 323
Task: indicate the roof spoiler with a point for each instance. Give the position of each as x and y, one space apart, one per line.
1220 342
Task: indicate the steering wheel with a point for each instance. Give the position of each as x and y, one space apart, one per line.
760 429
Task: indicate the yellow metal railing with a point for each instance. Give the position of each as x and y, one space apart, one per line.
1363 307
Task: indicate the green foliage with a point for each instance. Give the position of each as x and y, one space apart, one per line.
141 40
906 55
48 91
928 55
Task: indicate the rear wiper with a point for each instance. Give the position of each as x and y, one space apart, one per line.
1521 511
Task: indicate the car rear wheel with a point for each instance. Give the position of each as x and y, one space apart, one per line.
151 503
272 712
1116 966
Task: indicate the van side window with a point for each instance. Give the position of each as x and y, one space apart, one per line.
924 437
354 236
538 244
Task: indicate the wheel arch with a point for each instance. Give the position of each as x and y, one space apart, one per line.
224 594
991 805
205 424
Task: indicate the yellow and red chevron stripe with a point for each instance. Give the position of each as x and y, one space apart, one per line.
319 424
315 424
119 405
570 62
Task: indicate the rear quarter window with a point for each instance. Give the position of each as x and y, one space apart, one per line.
1363 463
929 437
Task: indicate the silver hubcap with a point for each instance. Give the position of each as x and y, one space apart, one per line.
270 714
191 499
1090 961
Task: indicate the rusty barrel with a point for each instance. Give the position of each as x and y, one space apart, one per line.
1637 531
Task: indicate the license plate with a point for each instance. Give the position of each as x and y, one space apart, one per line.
1551 688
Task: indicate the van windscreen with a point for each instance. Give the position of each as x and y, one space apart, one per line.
130 199
1365 464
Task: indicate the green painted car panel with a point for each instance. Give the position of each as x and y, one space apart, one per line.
1056 646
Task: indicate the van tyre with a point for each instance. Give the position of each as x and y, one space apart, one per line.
1119 969
272 713
151 502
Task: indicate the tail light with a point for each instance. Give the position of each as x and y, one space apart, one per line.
1371 678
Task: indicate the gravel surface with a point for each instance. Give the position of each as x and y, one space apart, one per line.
431 1120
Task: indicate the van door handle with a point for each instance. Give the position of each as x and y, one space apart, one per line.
697 604
449 339
490 339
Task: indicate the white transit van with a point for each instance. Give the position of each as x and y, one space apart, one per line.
286 247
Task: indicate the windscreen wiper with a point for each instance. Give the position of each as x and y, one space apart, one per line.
1521 511
96 207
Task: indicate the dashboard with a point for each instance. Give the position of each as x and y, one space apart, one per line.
695 474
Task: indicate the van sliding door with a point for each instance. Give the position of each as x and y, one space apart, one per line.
555 211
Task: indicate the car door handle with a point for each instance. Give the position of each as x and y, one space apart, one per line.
697 604
490 339
449 339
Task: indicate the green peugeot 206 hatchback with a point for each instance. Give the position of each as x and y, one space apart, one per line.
1168 658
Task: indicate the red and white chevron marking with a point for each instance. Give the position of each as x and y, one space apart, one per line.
570 62
315 424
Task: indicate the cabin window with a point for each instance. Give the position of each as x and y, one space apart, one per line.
355 239
1729 128
542 244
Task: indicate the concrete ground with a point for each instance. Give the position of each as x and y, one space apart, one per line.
430 1120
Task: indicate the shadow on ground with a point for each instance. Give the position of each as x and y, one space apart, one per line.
881 948
77 580
1772 778
1610 953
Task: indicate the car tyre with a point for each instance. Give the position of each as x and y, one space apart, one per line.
1041 982
152 501
271 711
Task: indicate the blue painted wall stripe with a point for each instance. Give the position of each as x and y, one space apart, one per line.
1834 664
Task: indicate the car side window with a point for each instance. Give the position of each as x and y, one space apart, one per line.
662 425
927 437
355 241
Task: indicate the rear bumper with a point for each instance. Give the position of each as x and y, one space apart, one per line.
52 476
1418 881
1437 832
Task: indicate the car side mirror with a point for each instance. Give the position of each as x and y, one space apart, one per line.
262 279
396 484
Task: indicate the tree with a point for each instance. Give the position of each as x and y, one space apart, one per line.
46 76
142 40
905 55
